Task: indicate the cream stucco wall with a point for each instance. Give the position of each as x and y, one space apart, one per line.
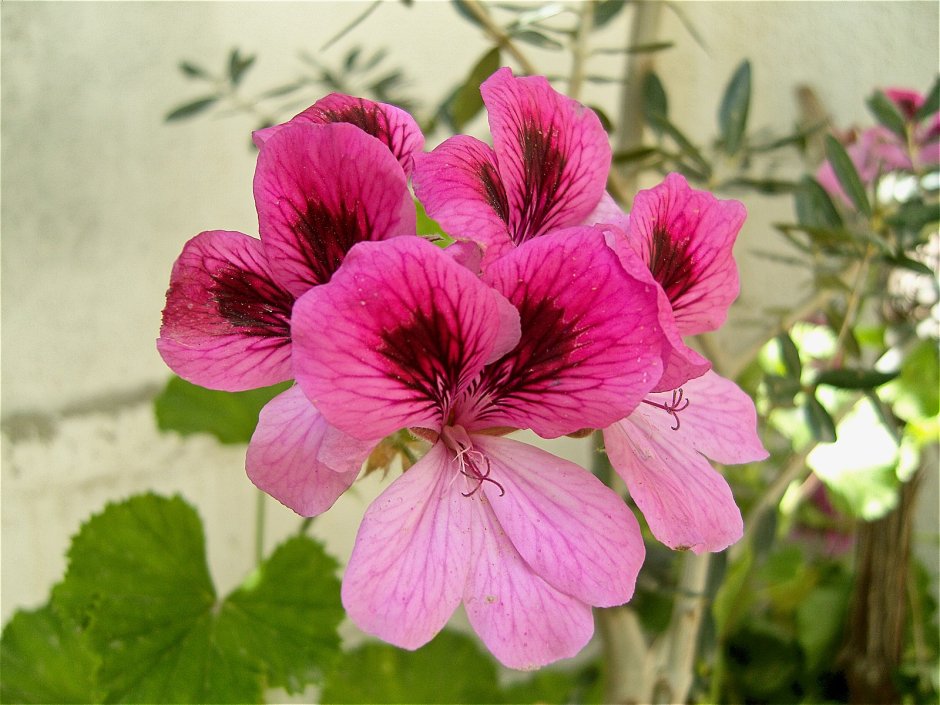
99 195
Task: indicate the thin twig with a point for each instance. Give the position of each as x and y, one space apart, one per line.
352 25
502 39
579 51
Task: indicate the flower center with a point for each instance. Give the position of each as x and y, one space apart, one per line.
678 403
470 462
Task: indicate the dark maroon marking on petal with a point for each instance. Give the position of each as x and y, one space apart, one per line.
671 264
427 360
545 185
326 236
495 193
252 304
369 118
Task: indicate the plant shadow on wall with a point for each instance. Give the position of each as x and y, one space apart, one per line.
377 327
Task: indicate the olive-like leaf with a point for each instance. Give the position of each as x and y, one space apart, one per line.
847 175
791 356
192 108
854 379
819 421
931 103
814 207
732 116
468 101
887 113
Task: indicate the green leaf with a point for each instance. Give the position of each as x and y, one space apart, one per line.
819 619
468 101
790 355
287 615
732 116
729 602
461 7
426 224
530 36
193 70
602 116
662 125
819 421
655 102
450 669
634 155
768 186
887 113
854 379
192 108
139 579
814 207
605 11
46 658
238 65
229 416
931 103
781 390
847 175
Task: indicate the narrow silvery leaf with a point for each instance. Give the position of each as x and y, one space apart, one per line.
732 117
847 175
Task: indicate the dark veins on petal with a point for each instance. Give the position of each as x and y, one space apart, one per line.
368 118
495 193
252 304
325 236
545 185
671 264
426 361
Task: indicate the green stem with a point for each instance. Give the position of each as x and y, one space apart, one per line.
260 502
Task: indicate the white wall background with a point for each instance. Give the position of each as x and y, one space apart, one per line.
99 195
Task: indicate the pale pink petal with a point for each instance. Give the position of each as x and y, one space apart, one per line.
394 127
467 253
552 152
591 345
571 529
298 458
720 420
607 212
409 565
319 190
687 504
226 324
459 186
680 362
397 334
524 621
685 236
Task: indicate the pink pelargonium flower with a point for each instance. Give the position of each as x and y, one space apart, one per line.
661 450
319 189
547 168
556 337
391 125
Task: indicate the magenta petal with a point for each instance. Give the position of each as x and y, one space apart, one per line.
409 565
298 458
394 127
397 334
459 186
524 621
552 152
319 190
591 346
686 503
226 324
571 529
685 236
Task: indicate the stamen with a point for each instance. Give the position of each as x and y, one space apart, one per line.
470 462
678 403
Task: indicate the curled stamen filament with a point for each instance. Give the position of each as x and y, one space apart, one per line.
678 403
469 461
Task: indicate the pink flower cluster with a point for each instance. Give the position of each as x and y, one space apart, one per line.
552 311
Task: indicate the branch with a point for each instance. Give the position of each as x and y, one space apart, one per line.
497 33
579 51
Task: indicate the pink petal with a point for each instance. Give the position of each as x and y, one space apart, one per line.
680 362
687 504
226 324
394 127
459 186
685 237
524 621
298 458
397 334
319 190
409 565
607 212
552 152
571 529
590 346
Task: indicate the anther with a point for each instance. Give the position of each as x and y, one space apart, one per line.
678 403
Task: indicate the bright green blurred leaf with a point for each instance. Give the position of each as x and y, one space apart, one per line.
887 113
819 421
468 101
790 355
452 668
229 416
915 394
192 108
730 600
732 116
847 175
427 225
46 658
819 618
